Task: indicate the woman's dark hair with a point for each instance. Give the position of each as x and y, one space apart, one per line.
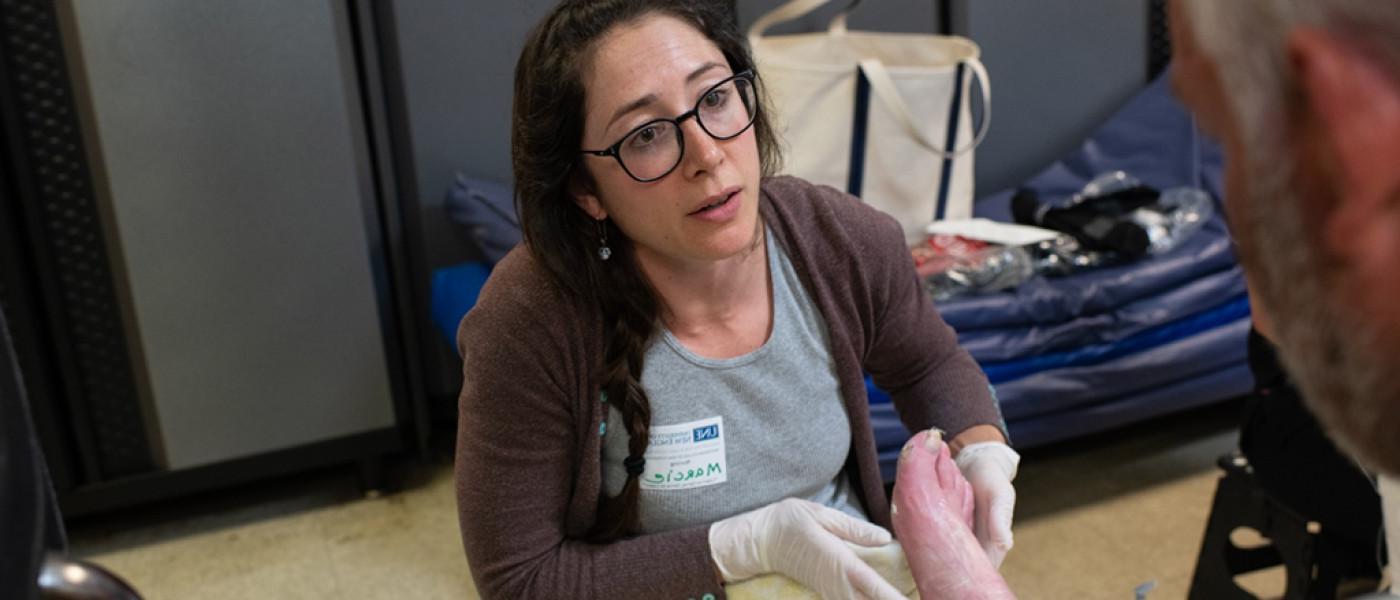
546 137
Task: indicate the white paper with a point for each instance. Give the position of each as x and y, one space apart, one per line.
996 232
686 456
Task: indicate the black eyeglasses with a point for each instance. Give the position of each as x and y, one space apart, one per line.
653 149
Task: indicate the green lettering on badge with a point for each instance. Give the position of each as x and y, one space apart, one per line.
687 474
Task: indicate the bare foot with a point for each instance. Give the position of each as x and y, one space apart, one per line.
932 513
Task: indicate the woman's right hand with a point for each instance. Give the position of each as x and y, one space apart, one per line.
805 541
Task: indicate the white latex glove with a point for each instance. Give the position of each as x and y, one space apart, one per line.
990 467
805 541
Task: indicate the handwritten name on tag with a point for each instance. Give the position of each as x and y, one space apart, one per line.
686 455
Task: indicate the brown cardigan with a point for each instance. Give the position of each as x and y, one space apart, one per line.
528 449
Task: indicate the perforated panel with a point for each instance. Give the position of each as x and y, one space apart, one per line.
67 229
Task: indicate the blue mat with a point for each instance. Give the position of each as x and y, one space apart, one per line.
1228 381
1050 301
1234 310
995 345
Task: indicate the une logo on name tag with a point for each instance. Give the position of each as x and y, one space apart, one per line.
686 456
710 432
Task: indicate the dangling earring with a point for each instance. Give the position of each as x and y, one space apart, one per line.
604 252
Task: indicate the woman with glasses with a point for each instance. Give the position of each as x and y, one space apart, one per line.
664 384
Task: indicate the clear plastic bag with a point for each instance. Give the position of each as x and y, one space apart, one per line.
1104 185
954 269
1182 212
1063 256
992 269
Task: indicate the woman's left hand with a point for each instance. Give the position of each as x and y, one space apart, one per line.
990 467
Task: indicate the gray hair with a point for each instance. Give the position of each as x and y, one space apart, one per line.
1343 365
1247 40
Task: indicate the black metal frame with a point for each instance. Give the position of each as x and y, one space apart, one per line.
364 449
385 105
57 286
69 293
24 310
1159 43
615 150
944 9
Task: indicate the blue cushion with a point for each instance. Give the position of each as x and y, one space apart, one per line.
1192 297
454 292
487 210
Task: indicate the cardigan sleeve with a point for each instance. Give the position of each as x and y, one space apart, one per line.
913 355
517 468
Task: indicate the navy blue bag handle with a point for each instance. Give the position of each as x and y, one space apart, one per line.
860 119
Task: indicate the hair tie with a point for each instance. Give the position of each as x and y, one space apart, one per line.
634 464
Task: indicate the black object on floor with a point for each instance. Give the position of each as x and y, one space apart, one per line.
1295 461
1315 559
1289 482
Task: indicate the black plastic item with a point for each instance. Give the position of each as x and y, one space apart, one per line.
1099 223
1315 561
1288 483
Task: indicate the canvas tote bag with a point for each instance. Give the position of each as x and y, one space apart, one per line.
885 116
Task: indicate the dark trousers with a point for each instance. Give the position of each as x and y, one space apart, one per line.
1295 461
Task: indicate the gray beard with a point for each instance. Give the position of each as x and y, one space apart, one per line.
1349 376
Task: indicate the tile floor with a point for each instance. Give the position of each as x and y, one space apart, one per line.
1096 518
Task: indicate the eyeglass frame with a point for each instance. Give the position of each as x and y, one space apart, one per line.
615 152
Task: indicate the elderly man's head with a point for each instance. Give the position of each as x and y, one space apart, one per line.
1305 96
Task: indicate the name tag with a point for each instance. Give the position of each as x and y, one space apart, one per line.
685 456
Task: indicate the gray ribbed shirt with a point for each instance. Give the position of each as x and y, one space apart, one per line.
731 435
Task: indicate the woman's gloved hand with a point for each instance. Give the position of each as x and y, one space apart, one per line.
805 541
990 467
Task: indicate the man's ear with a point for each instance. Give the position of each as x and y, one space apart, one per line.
1355 104
584 193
